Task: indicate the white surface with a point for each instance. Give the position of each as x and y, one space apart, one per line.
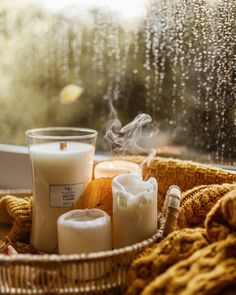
15 169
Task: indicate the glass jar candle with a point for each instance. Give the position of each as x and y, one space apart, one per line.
62 166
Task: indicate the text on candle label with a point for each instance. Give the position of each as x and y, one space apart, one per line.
65 195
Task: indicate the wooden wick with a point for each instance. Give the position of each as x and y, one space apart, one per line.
63 146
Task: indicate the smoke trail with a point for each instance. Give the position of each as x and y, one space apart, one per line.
128 139
113 125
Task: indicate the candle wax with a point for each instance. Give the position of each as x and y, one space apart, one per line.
85 231
134 209
115 167
60 177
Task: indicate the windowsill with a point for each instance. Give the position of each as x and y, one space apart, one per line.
10 148
15 169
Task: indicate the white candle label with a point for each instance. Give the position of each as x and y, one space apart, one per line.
65 195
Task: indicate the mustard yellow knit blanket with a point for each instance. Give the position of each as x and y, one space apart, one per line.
192 261
16 212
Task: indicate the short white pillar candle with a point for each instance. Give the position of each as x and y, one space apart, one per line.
115 167
134 209
85 231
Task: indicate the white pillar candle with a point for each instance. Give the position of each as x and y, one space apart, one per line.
115 167
85 231
134 209
60 175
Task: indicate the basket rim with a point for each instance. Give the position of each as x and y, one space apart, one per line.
83 256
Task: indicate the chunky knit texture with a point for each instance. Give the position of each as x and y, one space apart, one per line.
210 270
18 213
221 221
178 246
197 202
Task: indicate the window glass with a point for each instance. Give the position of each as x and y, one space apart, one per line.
82 63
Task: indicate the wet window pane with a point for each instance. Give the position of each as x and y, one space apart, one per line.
81 63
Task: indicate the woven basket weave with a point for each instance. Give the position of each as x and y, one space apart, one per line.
56 274
63 274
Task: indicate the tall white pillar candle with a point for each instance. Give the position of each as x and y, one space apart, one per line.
59 178
85 231
115 167
134 209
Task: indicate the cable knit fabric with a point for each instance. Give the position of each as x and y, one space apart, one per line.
210 270
196 203
18 213
178 246
221 221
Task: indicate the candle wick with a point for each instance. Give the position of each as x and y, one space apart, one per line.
63 146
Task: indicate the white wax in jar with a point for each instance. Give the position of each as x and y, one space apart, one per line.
60 176
134 209
85 231
115 167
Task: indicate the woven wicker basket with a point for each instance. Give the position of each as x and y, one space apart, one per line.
95 273
64 274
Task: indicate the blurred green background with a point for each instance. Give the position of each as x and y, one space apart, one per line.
174 61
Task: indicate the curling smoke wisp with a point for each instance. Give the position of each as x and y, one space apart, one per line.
128 140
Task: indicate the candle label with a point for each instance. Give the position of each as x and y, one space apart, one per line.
65 195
